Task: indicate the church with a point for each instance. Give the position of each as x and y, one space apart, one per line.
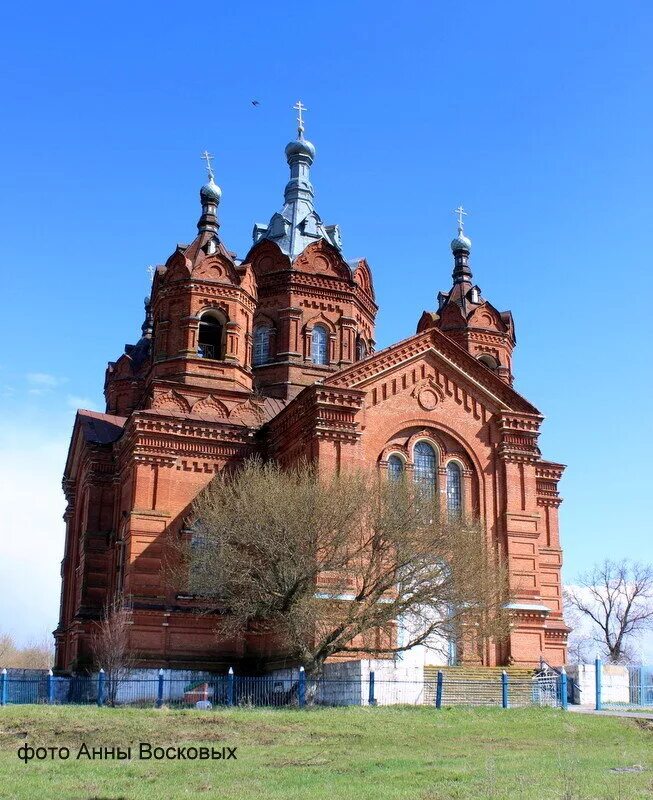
274 354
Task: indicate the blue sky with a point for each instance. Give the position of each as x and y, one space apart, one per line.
536 116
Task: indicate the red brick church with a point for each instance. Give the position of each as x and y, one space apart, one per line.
274 354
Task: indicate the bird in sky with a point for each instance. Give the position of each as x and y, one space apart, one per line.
255 103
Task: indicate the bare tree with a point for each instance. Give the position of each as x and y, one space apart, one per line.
37 654
7 650
324 566
617 599
111 647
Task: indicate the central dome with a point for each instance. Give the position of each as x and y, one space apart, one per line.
300 147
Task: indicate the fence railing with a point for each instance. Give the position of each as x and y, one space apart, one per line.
623 687
294 689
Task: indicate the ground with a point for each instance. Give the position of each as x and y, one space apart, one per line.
380 753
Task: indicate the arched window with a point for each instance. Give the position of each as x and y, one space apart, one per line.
489 361
361 349
211 337
320 345
395 467
454 488
425 466
261 344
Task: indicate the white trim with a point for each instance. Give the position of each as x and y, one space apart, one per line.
528 607
433 444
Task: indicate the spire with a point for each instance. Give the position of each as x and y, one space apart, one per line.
210 195
298 224
148 324
461 247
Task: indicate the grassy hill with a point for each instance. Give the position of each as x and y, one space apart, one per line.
379 753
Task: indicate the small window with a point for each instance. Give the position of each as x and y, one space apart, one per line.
395 467
361 349
454 488
210 338
320 345
490 362
261 344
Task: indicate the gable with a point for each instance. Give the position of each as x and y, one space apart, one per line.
321 258
91 428
432 354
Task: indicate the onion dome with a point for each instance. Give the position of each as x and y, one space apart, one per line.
461 242
210 192
300 147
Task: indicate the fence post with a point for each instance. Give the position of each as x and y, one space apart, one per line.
50 687
371 700
100 688
159 690
230 686
438 689
4 691
504 689
563 689
301 689
642 698
597 683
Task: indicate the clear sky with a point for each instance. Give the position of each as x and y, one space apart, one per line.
537 117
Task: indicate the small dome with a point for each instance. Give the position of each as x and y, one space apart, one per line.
210 192
300 147
461 242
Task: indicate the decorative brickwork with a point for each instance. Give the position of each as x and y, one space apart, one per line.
195 395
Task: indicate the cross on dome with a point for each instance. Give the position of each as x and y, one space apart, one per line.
299 106
206 156
460 211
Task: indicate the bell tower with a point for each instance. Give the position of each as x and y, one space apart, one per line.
468 318
316 310
197 338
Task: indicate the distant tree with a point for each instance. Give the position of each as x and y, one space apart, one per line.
617 600
321 566
37 654
7 650
111 646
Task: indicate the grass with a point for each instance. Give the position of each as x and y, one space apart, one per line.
338 754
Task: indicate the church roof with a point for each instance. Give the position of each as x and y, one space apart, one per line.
99 428
414 346
298 224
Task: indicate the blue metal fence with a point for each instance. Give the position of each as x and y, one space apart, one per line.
292 688
623 687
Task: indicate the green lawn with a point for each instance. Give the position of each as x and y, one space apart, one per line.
380 753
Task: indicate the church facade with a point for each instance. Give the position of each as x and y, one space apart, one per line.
275 355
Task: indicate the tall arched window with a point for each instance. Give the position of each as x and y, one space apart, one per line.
425 466
210 342
395 467
320 345
454 488
361 349
261 344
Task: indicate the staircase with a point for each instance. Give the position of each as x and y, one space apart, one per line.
479 686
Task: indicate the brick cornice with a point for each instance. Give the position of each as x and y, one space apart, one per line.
504 398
